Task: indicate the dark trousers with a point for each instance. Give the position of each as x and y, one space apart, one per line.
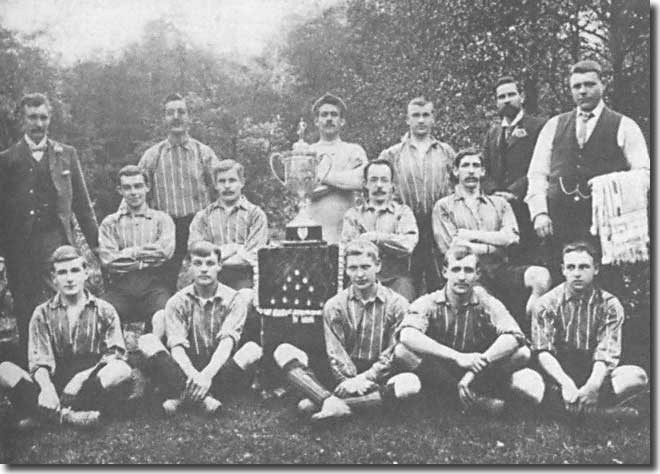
173 266
138 295
30 278
426 261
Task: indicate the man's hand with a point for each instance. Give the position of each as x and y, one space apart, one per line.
569 392
357 385
473 361
465 234
506 195
587 398
49 401
197 386
543 225
465 393
229 250
354 162
373 236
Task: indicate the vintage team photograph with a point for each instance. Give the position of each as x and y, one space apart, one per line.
325 232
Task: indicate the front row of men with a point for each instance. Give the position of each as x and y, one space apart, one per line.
459 338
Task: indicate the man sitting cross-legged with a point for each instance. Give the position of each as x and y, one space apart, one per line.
462 336
576 334
75 353
359 325
203 324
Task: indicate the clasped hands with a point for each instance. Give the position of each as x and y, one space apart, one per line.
579 400
197 386
473 363
358 385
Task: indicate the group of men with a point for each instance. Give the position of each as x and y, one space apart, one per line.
446 289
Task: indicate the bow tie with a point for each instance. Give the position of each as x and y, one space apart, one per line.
586 115
38 149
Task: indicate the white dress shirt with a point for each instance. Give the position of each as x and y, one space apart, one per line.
37 155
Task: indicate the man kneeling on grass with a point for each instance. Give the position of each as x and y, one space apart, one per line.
462 336
75 353
576 334
203 324
359 324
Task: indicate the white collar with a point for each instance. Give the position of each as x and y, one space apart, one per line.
518 118
31 144
597 110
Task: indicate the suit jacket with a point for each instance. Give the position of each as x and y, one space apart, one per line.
72 195
509 173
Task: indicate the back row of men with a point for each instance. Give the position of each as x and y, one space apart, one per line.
142 246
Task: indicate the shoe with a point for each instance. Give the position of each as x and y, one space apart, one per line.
27 424
333 407
211 405
307 407
615 414
491 406
171 406
80 419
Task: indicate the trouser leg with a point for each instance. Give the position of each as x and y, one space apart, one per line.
21 389
173 266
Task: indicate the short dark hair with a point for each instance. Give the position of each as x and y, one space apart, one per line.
506 80
580 246
420 101
34 99
66 253
458 252
472 151
332 99
172 97
379 161
587 65
362 247
203 248
132 170
227 165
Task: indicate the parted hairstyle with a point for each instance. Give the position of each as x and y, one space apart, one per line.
420 101
34 99
132 170
506 80
362 247
172 97
202 248
65 253
458 252
467 152
580 246
587 65
226 165
365 171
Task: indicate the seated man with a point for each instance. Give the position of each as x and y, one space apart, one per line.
388 224
488 226
359 327
203 323
234 224
134 243
462 336
576 334
75 355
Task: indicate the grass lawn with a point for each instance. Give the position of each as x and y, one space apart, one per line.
251 430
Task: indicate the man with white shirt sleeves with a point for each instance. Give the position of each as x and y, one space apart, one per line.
573 148
41 188
180 171
340 170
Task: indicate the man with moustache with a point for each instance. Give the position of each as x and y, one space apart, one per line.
180 172
573 148
386 223
134 244
507 151
422 169
340 170
41 188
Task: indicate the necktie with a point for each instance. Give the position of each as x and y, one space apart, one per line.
38 149
583 117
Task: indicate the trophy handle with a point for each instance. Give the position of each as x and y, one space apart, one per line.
278 157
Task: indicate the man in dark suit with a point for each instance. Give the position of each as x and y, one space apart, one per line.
508 149
41 187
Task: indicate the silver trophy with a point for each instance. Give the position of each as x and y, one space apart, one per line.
301 177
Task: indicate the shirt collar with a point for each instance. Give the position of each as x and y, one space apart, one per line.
440 297
31 144
57 301
185 142
568 295
517 118
597 110
407 138
222 292
144 211
380 294
242 203
389 207
459 195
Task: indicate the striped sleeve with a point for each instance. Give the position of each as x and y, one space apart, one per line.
444 226
608 348
335 340
543 329
199 228
233 324
501 319
113 338
176 323
417 316
40 347
257 234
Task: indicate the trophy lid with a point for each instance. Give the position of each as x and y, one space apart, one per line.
301 146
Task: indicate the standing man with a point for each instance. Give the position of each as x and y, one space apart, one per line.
576 334
41 188
487 225
573 148
507 151
134 244
179 170
340 171
76 352
386 223
422 169
359 324
464 338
